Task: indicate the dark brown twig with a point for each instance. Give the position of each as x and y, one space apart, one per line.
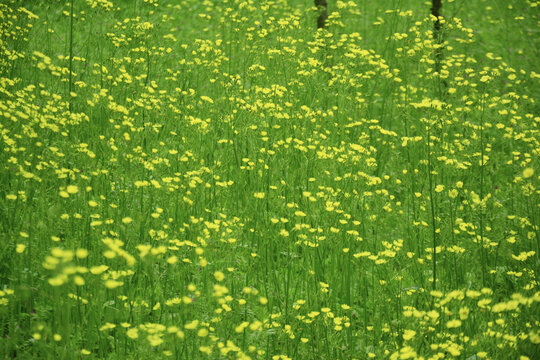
436 6
322 5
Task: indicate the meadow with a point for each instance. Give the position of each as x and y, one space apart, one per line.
195 179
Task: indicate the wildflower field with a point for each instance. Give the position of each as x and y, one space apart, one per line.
196 179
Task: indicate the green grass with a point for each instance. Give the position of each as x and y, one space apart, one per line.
220 180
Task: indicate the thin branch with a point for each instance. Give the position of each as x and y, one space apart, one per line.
322 5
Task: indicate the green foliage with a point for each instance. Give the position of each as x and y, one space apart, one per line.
221 180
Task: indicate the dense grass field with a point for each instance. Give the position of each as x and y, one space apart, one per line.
194 179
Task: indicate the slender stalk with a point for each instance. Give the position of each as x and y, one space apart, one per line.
482 249
70 53
433 225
